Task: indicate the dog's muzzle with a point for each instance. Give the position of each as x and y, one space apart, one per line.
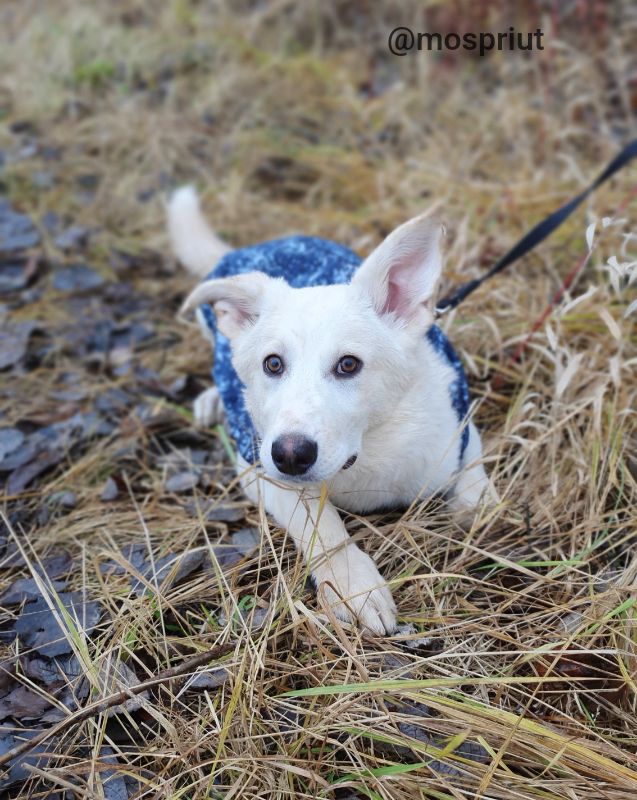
350 461
293 454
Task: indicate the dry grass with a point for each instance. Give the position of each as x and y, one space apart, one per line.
292 117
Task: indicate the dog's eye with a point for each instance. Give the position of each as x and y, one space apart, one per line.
273 365
348 366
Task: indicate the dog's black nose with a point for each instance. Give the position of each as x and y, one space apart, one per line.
294 453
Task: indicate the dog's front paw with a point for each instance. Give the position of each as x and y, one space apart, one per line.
354 588
208 409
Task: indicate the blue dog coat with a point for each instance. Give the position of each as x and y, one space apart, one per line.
301 261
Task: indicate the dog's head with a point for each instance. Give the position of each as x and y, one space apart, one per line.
324 365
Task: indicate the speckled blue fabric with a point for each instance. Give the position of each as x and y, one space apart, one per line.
301 261
459 388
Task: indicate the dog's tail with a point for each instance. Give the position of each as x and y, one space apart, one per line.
193 242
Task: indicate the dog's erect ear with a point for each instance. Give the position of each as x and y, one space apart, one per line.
236 301
402 273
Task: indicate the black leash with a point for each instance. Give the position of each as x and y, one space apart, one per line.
539 232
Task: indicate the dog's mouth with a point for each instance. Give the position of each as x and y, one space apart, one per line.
350 462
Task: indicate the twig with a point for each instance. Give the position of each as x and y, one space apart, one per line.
116 699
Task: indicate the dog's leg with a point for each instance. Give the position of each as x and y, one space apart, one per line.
208 408
473 487
349 578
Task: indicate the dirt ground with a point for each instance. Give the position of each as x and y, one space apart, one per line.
127 551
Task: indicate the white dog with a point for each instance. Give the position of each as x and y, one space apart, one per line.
341 388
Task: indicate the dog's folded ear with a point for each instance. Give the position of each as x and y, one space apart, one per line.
236 301
401 275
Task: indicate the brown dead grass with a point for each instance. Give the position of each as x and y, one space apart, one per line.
292 117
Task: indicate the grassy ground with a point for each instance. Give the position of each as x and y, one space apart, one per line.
518 679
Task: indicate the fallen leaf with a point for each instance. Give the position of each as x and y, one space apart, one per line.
69 395
241 544
26 589
52 567
24 704
7 674
38 628
114 783
63 499
17 231
14 340
73 238
16 274
180 566
182 482
110 491
55 565
596 674
113 676
209 679
155 571
10 440
214 512
53 670
114 402
76 278
27 450
47 446
18 768
22 477
253 617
